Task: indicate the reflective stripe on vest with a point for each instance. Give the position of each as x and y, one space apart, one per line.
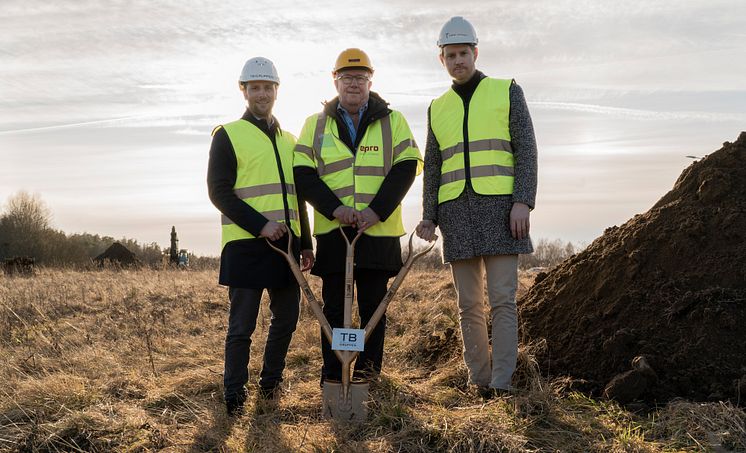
355 180
258 181
491 161
273 216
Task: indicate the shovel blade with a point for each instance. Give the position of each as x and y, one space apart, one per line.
336 406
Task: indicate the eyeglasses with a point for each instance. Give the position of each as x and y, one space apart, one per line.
358 80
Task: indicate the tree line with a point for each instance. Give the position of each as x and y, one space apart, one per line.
547 253
26 231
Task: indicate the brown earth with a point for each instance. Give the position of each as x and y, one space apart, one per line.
656 308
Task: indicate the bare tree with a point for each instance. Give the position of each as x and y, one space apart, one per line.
547 253
23 223
27 212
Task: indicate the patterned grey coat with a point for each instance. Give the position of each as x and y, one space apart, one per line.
477 225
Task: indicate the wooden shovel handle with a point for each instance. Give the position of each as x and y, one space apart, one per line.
306 289
378 314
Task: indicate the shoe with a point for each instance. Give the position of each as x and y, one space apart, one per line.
504 393
369 376
486 392
234 404
269 393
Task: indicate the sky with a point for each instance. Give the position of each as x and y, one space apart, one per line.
106 107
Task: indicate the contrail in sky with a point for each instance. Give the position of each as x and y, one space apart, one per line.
70 125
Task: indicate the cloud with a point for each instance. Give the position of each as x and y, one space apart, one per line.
112 103
640 114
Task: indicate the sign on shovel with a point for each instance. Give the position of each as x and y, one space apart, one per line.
348 339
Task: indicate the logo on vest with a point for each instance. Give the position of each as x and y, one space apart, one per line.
364 148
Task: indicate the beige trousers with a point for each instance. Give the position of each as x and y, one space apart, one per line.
502 281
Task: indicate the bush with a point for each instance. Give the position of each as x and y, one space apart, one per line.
548 253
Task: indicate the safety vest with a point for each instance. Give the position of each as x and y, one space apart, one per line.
356 178
484 126
258 181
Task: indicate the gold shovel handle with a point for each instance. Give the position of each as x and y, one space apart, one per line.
411 258
303 283
349 276
348 356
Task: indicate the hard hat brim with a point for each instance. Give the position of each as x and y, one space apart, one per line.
352 58
350 68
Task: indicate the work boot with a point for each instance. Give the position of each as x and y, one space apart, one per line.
488 393
485 392
234 403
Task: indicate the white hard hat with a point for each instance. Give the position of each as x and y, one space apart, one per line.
259 68
457 31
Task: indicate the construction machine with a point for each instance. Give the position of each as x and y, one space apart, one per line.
183 260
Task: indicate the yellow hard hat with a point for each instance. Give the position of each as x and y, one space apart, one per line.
353 58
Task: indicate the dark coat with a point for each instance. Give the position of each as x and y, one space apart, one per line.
248 263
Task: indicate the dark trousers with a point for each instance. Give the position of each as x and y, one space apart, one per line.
285 306
371 287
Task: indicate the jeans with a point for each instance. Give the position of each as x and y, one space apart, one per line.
285 307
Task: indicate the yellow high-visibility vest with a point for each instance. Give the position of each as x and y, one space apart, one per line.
486 129
355 179
258 181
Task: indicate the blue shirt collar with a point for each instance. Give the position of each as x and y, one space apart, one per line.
345 115
360 112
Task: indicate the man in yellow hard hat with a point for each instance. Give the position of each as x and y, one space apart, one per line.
354 162
250 180
479 186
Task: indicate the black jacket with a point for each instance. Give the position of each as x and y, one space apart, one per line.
382 253
248 263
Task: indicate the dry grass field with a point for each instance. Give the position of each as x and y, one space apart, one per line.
132 361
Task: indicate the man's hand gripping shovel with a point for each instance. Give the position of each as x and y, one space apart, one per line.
346 400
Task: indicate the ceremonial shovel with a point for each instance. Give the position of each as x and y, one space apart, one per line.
346 400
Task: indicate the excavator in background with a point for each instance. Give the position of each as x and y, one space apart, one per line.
176 257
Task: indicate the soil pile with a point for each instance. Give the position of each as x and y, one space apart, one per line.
119 255
656 308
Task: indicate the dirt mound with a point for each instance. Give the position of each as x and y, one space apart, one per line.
119 255
656 308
